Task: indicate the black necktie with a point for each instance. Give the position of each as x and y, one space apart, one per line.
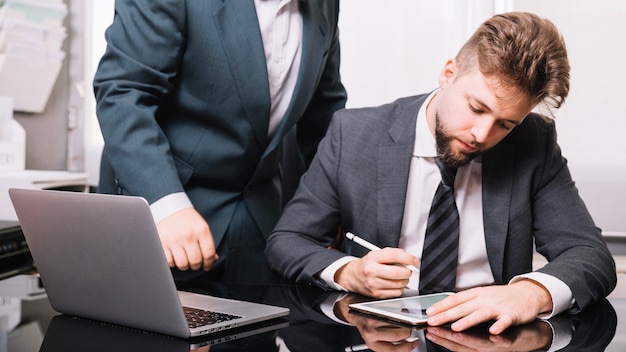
441 243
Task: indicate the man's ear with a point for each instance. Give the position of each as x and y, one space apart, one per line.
448 73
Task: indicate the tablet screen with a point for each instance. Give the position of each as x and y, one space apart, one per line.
410 310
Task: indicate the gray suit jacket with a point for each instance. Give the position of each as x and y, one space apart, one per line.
359 179
183 103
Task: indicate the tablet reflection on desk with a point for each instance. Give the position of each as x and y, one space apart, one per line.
591 330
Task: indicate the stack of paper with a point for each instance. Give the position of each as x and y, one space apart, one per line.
31 55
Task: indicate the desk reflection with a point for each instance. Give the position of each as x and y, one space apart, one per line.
321 321
314 328
66 333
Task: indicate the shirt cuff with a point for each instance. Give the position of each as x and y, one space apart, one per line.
168 205
327 307
328 275
562 333
562 297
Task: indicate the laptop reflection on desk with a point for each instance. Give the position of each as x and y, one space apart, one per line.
69 333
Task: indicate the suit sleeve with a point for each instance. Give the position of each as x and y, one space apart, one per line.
144 46
565 233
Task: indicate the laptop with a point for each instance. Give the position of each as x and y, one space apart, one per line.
100 257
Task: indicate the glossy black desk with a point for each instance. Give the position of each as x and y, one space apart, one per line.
309 328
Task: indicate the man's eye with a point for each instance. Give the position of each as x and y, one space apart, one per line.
475 110
507 126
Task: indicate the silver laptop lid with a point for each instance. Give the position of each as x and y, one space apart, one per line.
100 257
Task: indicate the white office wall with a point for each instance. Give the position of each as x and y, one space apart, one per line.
392 49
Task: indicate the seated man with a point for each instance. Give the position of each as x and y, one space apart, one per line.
376 172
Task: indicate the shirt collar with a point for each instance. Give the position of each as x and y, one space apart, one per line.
425 145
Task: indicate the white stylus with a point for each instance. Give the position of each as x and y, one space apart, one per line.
372 247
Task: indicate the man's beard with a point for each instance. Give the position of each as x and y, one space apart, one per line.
451 158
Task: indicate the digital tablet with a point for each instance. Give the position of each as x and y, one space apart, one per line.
409 310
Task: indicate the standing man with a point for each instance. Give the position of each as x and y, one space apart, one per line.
378 169
194 98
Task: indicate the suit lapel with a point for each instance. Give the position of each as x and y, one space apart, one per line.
238 27
394 160
315 28
497 188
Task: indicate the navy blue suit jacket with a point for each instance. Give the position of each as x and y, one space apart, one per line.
183 103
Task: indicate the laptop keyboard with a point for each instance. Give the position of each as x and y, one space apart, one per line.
198 317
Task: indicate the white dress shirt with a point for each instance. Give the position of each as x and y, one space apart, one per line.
280 23
424 177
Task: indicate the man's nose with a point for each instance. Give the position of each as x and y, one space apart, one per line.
482 129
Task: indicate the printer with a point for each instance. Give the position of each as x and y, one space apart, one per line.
15 257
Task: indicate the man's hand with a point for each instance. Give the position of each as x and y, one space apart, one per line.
187 240
536 336
381 336
379 274
508 305
377 335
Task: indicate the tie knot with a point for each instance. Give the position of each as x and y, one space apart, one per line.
447 173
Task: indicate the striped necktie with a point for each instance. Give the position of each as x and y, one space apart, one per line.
441 242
